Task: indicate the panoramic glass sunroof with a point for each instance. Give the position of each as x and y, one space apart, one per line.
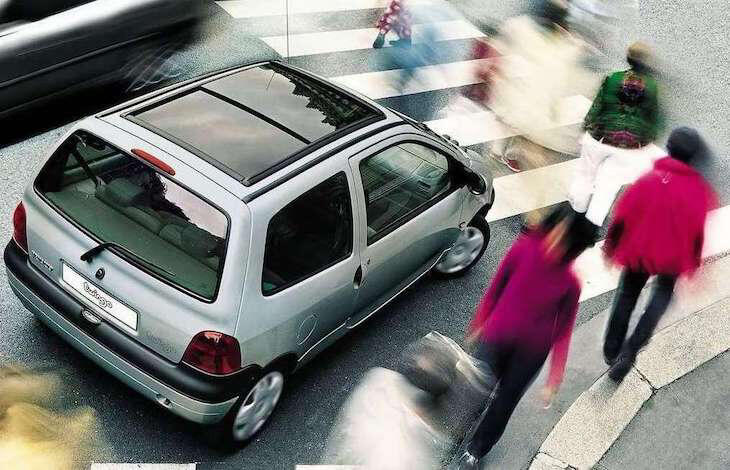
249 122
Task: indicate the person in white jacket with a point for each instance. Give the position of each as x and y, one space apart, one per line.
410 419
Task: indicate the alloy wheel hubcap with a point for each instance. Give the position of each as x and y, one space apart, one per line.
463 253
258 405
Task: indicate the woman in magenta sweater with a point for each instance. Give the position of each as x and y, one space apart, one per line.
528 310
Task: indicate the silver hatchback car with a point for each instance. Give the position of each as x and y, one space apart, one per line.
203 242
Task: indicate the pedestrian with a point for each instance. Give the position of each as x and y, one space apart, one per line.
396 18
485 71
409 418
539 68
523 317
657 230
620 127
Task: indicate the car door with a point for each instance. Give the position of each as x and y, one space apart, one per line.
305 257
410 208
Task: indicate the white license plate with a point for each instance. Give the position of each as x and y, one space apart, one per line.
99 298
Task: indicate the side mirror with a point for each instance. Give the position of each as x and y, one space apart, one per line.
475 183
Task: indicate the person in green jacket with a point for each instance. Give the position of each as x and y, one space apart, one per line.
623 122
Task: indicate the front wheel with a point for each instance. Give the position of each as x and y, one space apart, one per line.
251 412
467 250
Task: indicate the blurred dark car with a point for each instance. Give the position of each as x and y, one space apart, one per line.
53 48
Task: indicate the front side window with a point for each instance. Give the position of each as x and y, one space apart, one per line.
308 235
400 180
117 198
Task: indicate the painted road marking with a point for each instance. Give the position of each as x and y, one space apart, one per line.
383 84
325 42
260 8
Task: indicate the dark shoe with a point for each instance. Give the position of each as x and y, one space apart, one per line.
467 462
403 42
379 41
610 355
609 360
621 367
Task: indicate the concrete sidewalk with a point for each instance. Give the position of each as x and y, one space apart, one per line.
589 413
684 425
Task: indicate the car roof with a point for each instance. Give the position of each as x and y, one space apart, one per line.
257 120
121 117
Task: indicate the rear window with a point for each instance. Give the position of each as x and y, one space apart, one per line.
161 226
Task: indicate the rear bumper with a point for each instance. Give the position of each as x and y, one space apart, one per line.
176 387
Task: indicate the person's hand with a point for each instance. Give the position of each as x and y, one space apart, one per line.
547 395
471 338
607 262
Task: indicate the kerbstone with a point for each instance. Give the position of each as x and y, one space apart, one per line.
547 462
685 345
595 420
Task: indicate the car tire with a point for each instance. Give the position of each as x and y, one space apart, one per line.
469 251
250 414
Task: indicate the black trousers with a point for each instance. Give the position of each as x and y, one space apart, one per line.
515 369
632 282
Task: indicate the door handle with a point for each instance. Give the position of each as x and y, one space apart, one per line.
358 278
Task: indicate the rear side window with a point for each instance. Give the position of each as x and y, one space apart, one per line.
163 227
308 235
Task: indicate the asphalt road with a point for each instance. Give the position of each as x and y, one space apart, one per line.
691 40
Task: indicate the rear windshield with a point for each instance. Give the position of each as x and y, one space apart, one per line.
161 226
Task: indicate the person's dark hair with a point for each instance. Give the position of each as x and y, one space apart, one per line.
638 56
553 12
686 145
430 365
580 233
636 64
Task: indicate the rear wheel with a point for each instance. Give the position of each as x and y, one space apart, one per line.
251 412
467 250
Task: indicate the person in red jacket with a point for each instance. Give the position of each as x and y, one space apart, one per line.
528 310
396 18
657 230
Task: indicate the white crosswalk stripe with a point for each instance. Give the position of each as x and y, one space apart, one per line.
357 39
260 8
382 84
483 126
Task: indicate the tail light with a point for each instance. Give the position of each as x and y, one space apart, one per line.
19 233
214 353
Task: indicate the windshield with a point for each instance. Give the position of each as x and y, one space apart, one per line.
142 215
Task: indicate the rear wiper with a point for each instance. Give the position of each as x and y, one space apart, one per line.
91 254
82 161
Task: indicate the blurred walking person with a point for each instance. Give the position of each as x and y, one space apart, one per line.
409 419
528 311
540 67
396 18
658 230
620 127
34 436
